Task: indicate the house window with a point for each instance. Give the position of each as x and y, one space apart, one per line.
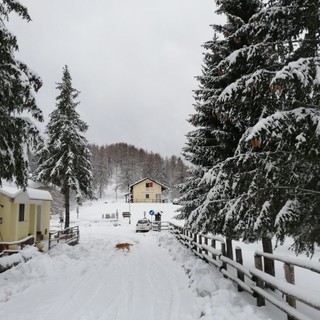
149 184
147 196
21 211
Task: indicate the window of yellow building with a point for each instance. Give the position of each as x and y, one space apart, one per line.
21 211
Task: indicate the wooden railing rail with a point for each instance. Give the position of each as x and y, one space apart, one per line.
4 245
254 280
311 298
310 265
160 225
69 235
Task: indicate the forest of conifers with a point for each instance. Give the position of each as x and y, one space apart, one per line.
121 165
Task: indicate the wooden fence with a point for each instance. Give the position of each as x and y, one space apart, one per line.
70 235
4 246
254 280
160 225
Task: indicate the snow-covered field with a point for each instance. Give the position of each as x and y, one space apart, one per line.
158 279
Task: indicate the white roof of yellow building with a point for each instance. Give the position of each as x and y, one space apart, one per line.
159 183
29 194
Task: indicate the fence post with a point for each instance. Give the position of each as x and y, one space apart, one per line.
223 252
179 233
78 234
185 232
194 247
258 264
239 259
213 245
268 263
200 242
187 240
229 248
289 275
49 242
206 243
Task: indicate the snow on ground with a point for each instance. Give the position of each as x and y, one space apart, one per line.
158 279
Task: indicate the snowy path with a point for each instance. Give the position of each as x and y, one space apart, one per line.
100 283
158 279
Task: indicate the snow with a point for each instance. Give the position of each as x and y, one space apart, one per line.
303 263
33 194
312 296
23 255
275 124
158 279
284 214
299 69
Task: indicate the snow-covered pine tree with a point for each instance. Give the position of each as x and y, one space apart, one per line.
17 87
272 181
293 150
192 193
215 137
65 161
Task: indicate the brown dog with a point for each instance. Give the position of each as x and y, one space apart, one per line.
123 246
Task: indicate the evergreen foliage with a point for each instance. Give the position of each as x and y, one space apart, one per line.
17 88
65 161
121 165
102 172
269 187
215 139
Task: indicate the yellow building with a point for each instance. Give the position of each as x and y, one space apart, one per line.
148 191
23 214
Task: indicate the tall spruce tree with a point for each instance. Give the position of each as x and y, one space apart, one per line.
65 161
215 138
17 87
288 139
271 183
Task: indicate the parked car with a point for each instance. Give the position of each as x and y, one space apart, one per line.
143 225
175 201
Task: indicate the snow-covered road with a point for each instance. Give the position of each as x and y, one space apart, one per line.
158 279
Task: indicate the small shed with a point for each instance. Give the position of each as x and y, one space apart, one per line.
24 213
147 190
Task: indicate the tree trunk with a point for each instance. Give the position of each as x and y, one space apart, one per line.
268 263
100 190
67 207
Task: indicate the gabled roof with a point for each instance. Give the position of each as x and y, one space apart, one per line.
162 185
28 195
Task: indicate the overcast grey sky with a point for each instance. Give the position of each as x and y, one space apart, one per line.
134 62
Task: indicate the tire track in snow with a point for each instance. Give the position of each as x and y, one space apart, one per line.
98 283
150 289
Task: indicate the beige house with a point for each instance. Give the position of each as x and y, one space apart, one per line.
24 213
147 190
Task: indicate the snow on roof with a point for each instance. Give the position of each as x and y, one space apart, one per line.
10 192
162 185
35 194
32 194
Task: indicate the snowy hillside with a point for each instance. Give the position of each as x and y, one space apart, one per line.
158 278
